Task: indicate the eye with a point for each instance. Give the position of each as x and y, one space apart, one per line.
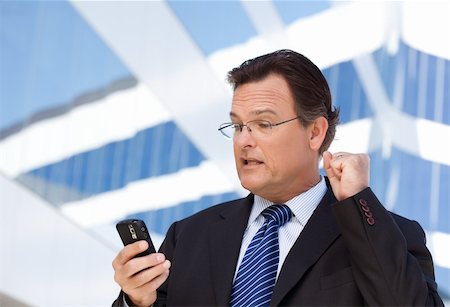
262 124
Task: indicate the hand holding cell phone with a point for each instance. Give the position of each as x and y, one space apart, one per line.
140 280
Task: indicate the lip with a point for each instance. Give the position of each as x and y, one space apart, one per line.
251 162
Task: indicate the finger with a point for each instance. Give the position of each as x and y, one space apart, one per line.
155 283
159 280
149 275
139 264
129 252
337 162
148 289
124 274
339 156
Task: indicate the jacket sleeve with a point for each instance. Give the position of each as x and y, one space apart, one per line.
390 261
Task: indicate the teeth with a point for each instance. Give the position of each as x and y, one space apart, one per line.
253 162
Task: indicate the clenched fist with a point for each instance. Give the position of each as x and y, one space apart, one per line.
348 173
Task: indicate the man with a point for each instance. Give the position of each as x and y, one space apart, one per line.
338 246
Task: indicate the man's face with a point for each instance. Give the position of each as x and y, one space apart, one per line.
280 165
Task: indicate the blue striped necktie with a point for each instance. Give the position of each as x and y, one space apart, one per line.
257 273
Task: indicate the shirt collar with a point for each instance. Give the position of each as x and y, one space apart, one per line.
302 205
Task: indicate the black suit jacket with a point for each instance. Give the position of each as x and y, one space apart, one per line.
352 252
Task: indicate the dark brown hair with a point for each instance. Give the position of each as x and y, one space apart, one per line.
307 84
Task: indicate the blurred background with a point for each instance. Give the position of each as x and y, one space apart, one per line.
109 110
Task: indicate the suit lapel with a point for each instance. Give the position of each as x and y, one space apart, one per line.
319 233
225 239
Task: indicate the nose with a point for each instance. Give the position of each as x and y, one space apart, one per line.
244 138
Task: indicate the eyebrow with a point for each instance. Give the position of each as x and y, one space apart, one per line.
255 112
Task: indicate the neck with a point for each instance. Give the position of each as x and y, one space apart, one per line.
288 194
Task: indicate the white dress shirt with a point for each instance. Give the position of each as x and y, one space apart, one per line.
302 207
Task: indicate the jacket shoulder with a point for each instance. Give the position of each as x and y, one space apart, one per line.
214 213
218 208
412 231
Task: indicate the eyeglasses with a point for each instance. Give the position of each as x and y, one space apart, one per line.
258 128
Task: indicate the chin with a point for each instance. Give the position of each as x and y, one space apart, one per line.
252 185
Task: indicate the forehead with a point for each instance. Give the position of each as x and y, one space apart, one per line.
269 95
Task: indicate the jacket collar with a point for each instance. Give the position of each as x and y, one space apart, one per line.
224 245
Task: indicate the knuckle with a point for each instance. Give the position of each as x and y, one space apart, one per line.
117 278
115 263
130 266
120 258
144 277
139 279
364 156
153 284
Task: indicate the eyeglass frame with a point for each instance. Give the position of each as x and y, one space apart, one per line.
241 126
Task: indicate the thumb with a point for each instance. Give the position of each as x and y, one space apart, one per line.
326 164
332 176
334 179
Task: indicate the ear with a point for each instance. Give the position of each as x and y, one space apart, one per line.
317 131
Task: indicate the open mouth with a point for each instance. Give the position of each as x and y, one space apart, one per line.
252 162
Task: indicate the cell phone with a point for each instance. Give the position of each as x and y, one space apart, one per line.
133 230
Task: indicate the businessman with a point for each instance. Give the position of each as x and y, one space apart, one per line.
298 239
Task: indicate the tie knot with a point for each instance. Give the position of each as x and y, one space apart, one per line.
280 213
